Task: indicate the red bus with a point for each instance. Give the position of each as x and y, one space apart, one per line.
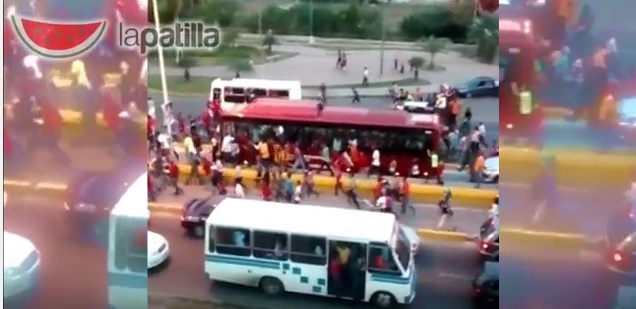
517 55
396 134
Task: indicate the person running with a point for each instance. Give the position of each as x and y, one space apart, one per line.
445 209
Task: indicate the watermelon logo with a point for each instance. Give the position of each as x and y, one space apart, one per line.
58 40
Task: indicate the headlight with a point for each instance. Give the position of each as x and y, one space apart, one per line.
193 218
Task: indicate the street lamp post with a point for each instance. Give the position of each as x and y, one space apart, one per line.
382 43
311 22
162 64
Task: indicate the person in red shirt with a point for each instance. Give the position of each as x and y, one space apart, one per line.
51 132
266 191
173 175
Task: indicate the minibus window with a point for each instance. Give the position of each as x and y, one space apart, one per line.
275 93
273 246
131 252
216 94
233 241
234 95
211 246
308 250
381 261
259 92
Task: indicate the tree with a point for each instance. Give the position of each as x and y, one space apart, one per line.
269 40
187 63
220 12
240 65
433 46
229 37
485 33
416 63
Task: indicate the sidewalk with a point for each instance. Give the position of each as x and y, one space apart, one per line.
313 66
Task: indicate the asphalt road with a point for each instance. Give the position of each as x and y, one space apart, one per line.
426 216
74 274
579 211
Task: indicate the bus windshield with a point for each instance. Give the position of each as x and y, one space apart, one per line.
130 250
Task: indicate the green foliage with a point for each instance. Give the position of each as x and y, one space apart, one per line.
268 41
350 18
436 20
433 46
485 33
187 62
240 65
416 62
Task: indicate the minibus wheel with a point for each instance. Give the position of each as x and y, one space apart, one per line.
271 286
383 300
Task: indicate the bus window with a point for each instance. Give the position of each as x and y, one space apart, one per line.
271 246
308 250
259 92
381 261
131 252
275 93
211 241
233 241
234 95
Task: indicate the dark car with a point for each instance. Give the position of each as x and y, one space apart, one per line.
620 243
486 287
194 214
90 196
479 87
488 241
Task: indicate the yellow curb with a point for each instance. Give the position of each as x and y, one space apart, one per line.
467 197
545 239
428 234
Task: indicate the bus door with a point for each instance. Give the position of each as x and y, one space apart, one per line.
347 270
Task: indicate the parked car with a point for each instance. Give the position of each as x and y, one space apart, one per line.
21 265
478 87
486 287
194 214
158 250
491 170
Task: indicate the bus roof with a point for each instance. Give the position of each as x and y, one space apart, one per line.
256 83
304 220
306 111
134 202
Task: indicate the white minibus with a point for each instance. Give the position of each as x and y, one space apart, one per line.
234 92
324 251
127 248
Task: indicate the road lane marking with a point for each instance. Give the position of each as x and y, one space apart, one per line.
454 276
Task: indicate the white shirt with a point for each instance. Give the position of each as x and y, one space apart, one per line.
366 73
238 191
298 192
164 141
31 62
482 129
494 211
381 202
375 158
226 144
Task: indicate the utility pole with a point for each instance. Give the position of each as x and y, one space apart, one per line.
383 17
311 22
162 63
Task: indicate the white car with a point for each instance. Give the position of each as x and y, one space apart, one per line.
491 170
21 265
158 250
414 239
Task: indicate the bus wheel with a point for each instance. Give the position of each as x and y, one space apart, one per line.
383 300
271 286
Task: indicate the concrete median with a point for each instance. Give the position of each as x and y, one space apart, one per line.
573 168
